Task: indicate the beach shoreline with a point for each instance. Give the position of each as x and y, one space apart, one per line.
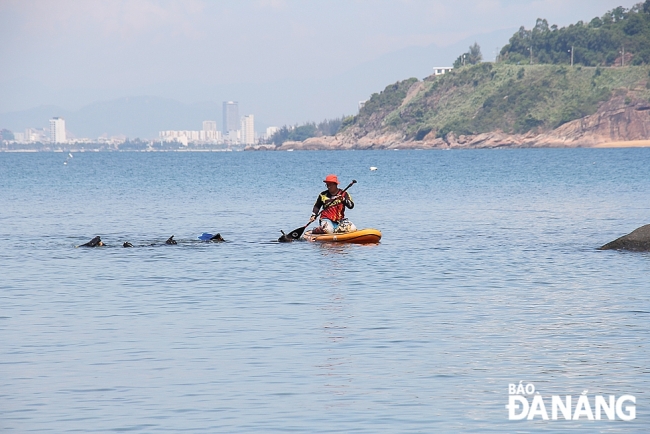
625 144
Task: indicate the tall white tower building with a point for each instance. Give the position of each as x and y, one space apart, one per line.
248 130
57 130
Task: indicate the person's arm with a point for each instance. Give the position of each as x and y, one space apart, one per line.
347 200
316 208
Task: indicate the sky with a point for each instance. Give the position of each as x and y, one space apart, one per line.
71 53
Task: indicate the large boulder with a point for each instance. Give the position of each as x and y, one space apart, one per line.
637 241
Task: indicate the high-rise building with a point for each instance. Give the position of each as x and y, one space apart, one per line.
209 125
57 130
248 130
230 117
270 131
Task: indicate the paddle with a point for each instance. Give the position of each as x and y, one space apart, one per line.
297 233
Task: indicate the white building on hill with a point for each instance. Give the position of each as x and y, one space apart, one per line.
440 70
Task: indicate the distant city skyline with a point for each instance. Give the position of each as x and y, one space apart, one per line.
245 134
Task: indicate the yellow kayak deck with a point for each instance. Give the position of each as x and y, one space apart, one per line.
362 236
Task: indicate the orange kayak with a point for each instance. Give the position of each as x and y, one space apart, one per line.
362 236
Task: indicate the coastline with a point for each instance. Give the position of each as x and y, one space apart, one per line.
463 142
628 144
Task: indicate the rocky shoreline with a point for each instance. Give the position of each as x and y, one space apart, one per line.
618 120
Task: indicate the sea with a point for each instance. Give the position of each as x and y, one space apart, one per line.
487 277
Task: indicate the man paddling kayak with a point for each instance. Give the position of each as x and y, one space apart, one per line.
333 201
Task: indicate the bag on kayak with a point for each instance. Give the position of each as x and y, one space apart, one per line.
345 226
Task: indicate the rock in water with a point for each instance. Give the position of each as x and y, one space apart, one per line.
636 241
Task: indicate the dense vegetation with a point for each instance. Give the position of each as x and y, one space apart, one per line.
381 105
487 97
297 133
619 37
472 57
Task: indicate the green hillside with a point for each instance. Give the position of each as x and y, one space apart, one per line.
522 92
487 97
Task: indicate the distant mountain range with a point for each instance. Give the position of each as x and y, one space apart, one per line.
273 104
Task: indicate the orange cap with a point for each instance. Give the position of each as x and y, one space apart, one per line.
331 178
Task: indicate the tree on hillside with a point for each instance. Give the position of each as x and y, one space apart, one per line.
601 41
472 57
328 127
6 135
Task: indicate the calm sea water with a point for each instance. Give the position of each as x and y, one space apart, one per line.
487 274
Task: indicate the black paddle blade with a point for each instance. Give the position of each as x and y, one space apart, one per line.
292 236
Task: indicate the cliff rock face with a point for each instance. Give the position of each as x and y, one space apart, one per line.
616 120
637 241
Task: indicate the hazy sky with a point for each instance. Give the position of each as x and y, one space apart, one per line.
115 48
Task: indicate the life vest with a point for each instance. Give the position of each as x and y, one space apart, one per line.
336 210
